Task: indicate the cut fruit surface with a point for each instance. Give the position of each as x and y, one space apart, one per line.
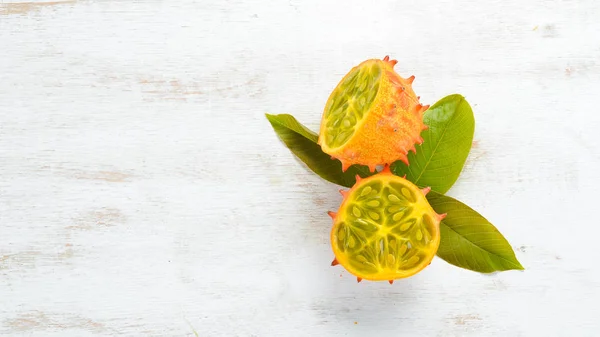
372 117
385 229
350 102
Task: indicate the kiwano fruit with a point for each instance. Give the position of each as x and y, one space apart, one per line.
385 228
372 117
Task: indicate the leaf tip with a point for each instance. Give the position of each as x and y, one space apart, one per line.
519 266
270 117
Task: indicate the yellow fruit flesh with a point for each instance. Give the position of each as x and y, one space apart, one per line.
349 103
385 229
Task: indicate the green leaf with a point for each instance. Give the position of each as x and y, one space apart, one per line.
470 241
303 143
439 160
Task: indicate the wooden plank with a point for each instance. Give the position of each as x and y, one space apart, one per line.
143 193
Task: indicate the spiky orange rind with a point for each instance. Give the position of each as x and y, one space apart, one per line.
385 229
372 117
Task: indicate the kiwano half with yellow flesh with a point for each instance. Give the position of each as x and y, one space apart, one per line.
372 117
385 229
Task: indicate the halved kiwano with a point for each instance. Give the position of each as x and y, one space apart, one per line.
372 117
385 229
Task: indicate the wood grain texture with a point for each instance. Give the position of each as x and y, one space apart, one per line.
143 192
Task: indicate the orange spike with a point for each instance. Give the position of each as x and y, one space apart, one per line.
425 127
358 178
411 79
372 167
414 149
420 140
426 190
386 58
404 176
391 281
417 109
332 214
418 98
393 62
424 108
442 216
345 166
405 160
386 169
358 279
334 262
333 158
344 193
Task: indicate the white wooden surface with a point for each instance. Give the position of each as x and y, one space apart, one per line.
143 193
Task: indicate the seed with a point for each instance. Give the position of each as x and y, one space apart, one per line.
394 209
419 235
374 215
341 232
412 261
361 258
356 211
376 72
402 250
365 191
362 85
344 134
351 78
346 123
351 242
406 193
426 235
337 122
427 221
393 198
373 203
330 124
337 101
343 137
365 226
391 259
337 111
405 226
329 111
398 216
352 119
